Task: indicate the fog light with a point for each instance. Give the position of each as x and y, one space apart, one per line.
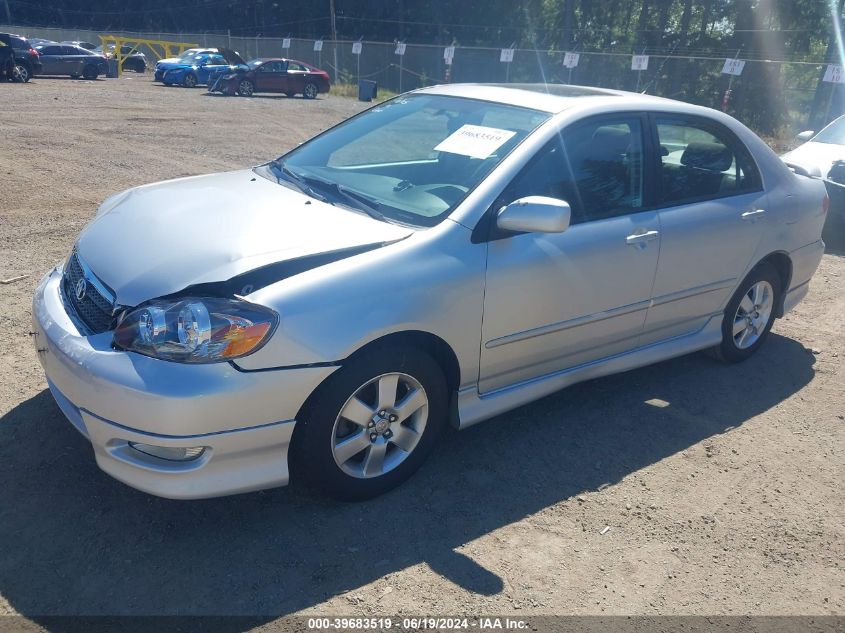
173 454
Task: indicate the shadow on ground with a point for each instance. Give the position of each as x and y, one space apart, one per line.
75 541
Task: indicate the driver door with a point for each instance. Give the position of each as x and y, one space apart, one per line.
270 77
554 301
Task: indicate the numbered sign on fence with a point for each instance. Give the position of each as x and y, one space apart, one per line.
570 60
449 55
834 74
733 67
286 43
400 48
506 55
318 45
639 62
356 48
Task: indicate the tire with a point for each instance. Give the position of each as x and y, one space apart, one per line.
24 74
310 91
317 454
90 73
246 88
290 94
739 344
189 80
74 76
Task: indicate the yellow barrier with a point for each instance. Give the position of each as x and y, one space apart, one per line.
160 48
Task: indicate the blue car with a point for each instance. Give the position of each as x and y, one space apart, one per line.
199 69
166 64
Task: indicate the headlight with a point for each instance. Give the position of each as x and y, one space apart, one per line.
195 330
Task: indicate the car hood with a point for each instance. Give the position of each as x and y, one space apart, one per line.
158 239
821 155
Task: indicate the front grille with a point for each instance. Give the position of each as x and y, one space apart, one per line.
95 309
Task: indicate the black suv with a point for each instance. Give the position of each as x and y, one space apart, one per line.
27 61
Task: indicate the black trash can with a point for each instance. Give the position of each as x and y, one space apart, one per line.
367 90
111 69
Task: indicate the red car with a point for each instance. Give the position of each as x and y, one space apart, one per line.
288 76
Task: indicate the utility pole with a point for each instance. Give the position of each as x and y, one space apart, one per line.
334 37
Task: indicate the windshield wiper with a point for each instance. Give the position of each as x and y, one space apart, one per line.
307 183
294 178
359 201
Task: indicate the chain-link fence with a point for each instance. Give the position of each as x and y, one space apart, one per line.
768 95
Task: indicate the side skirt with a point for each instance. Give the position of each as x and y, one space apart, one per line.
474 407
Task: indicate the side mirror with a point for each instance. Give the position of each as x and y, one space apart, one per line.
535 214
805 136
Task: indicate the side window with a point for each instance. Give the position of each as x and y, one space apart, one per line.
293 66
702 160
596 166
51 50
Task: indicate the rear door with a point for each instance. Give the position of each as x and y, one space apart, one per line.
72 60
296 76
712 210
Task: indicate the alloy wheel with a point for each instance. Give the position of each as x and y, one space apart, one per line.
245 88
22 72
752 315
380 425
310 91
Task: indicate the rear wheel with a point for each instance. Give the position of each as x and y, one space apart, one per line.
750 315
246 88
310 91
190 80
90 73
22 73
371 424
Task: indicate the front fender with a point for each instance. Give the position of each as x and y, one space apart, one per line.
431 282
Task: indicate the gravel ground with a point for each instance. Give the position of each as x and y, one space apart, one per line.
721 485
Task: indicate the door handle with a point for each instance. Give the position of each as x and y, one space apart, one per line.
754 214
642 238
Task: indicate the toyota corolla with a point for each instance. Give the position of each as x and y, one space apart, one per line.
443 257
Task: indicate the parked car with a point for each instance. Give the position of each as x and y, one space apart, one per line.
63 59
288 76
198 70
88 46
133 59
27 62
7 63
326 312
166 64
823 155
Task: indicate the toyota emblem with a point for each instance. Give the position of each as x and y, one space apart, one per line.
81 287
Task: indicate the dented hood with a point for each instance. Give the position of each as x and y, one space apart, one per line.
158 239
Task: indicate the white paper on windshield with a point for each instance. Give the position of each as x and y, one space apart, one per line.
475 141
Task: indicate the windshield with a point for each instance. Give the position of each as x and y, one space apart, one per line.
833 133
412 159
189 55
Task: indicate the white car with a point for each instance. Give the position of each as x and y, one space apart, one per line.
818 155
443 257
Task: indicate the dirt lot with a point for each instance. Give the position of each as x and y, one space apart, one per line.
727 500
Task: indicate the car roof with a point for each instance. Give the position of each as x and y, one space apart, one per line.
552 98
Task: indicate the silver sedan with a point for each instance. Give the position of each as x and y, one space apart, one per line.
443 257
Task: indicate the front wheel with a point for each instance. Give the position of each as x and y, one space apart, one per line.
246 88
190 80
371 424
750 315
310 91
